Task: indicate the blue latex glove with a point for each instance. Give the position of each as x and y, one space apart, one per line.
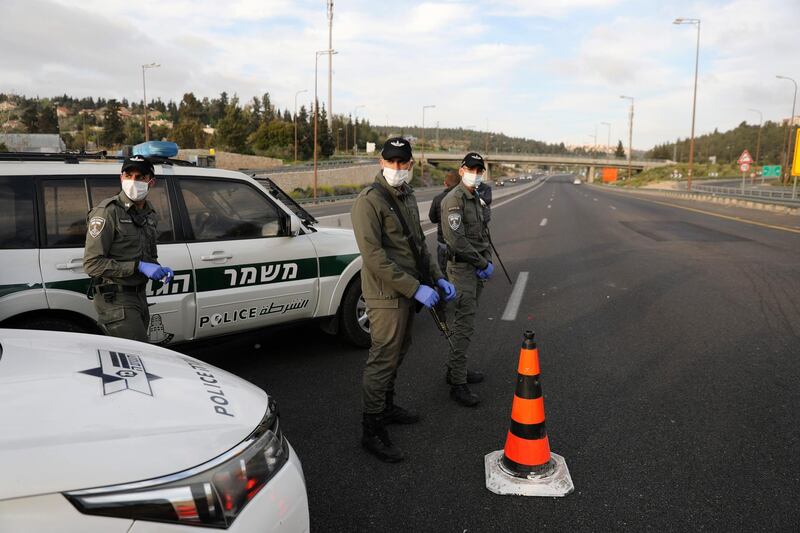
426 296
152 270
486 273
169 276
447 287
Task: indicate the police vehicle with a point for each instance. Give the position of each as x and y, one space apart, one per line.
245 255
102 434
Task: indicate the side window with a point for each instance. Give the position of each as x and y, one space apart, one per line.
105 187
65 209
17 226
221 209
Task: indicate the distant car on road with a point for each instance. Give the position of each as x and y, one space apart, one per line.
501 183
576 181
513 180
106 434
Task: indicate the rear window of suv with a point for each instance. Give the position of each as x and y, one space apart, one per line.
17 224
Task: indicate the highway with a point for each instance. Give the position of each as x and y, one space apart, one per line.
669 335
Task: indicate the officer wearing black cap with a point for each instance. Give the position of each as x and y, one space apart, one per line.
396 276
468 268
121 255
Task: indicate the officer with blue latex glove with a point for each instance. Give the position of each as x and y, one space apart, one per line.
448 288
121 253
485 273
426 296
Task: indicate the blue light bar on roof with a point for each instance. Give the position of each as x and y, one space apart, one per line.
156 149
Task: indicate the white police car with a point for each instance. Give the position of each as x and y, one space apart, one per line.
245 255
101 434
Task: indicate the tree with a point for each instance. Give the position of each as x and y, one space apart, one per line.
620 151
48 120
30 118
231 132
324 139
3 147
113 128
189 134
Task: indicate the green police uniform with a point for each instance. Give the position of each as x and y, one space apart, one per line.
389 279
468 245
120 235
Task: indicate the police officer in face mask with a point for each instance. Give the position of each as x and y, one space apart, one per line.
468 267
397 275
120 253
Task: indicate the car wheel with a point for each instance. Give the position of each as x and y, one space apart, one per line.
354 324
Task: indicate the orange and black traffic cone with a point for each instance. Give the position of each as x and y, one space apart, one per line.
526 466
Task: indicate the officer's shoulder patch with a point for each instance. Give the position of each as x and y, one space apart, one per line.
96 225
454 220
454 208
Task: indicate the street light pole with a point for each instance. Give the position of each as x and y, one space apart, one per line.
694 97
422 146
330 65
789 125
316 113
608 142
758 141
355 128
144 93
630 133
295 121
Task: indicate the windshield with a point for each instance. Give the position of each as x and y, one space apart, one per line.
279 193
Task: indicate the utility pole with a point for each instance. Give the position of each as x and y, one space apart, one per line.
330 65
630 133
316 113
789 127
608 141
144 93
694 96
355 128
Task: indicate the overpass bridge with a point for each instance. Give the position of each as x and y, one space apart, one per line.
590 164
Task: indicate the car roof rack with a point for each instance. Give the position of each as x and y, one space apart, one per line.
77 157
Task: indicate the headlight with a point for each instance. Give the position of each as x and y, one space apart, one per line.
212 494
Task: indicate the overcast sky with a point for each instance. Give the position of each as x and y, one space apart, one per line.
551 70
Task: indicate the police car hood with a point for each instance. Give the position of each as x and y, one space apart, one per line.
80 411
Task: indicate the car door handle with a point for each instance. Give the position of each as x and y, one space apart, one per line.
71 264
216 256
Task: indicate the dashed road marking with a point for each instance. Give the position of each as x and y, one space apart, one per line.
512 307
543 222
612 207
548 206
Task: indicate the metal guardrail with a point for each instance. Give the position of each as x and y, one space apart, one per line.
787 197
307 167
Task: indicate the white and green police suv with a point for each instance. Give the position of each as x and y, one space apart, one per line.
245 255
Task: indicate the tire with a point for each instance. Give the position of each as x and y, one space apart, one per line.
50 324
353 322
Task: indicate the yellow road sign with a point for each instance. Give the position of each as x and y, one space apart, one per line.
796 163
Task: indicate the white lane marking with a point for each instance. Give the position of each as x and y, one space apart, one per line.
549 206
512 307
543 222
595 199
612 207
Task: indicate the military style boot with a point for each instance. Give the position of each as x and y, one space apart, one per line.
473 376
375 439
464 396
394 414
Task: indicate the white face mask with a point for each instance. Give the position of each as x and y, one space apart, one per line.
395 178
135 190
471 179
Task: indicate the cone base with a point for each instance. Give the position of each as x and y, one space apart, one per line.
554 484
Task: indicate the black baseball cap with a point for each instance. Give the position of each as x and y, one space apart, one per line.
396 148
140 163
473 160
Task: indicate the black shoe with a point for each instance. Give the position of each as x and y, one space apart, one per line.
375 439
463 395
473 376
394 414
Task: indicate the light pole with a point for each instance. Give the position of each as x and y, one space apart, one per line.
295 121
144 93
694 97
786 160
608 142
330 65
422 146
758 141
338 131
316 113
630 133
355 128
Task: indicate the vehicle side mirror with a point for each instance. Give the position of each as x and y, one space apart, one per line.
293 226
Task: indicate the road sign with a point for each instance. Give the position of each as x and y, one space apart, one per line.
744 167
745 158
796 164
771 171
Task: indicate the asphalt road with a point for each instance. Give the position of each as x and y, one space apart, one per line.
669 343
